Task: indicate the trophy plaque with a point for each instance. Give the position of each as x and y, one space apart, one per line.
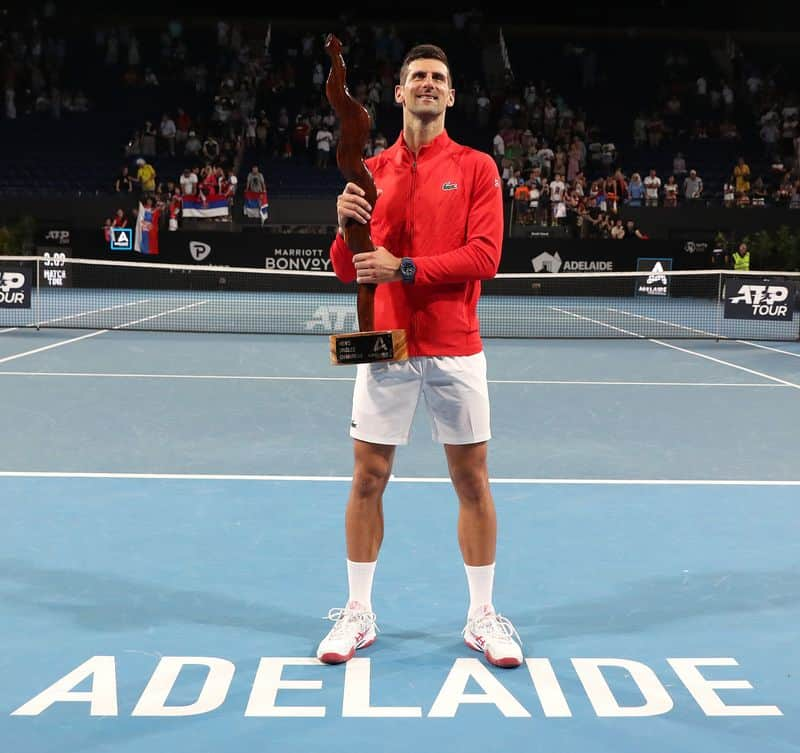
367 345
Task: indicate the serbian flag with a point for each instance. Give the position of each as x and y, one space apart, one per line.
256 204
145 239
215 205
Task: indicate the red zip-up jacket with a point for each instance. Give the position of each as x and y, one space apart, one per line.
444 210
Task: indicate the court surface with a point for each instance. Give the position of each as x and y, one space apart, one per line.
173 539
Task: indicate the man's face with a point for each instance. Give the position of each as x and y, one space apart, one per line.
426 90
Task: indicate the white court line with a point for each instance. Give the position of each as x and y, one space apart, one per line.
767 347
163 313
96 311
682 350
94 334
671 324
51 346
705 332
256 378
80 314
397 479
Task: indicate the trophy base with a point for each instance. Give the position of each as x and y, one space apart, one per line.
369 347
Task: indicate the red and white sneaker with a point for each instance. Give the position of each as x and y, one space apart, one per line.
354 627
494 635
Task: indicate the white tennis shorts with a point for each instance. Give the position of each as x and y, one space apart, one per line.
456 395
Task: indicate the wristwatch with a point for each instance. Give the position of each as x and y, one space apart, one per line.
408 270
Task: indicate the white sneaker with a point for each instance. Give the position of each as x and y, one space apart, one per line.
354 628
494 634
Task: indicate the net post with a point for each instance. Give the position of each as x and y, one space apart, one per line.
720 305
38 295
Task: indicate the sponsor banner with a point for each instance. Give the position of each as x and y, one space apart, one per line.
54 234
54 272
199 251
556 256
310 256
121 239
15 286
766 298
656 282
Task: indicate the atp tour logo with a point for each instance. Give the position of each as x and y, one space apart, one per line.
15 289
760 300
58 236
333 318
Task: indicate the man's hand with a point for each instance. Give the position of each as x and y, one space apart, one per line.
377 266
351 205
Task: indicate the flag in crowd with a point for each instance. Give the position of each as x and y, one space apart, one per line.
146 235
214 206
256 204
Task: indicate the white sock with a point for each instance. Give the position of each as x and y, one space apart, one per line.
480 580
359 580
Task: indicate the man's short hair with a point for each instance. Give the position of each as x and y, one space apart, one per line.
425 52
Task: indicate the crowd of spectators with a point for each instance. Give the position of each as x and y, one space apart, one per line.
246 96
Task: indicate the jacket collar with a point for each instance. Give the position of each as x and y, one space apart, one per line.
403 154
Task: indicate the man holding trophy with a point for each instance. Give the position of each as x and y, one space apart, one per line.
435 213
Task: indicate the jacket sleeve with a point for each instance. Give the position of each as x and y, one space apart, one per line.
342 259
479 257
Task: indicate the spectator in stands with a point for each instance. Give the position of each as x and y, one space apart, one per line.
211 149
229 185
770 135
652 188
636 191
692 188
148 139
145 176
729 193
617 231
784 190
188 182
380 144
193 145
255 181
168 134
183 124
324 140
758 193
120 219
741 174
632 232
671 192
794 199
522 200
678 166
123 183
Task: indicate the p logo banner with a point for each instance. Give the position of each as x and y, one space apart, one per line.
15 288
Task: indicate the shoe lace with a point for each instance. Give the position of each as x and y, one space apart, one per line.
494 626
343 617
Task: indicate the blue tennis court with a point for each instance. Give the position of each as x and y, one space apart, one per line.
173 540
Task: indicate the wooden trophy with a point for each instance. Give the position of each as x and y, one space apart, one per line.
367 345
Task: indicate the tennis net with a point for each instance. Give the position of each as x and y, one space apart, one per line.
57 291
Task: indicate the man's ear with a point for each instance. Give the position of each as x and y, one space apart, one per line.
398 94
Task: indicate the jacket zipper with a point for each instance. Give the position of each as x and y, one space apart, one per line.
413 192
410 233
